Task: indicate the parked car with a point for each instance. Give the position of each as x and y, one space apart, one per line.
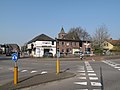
78 53
48 54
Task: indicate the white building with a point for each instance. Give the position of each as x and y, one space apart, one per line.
41 44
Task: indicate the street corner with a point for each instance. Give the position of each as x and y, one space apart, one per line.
37 79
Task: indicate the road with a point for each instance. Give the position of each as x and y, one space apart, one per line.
90 75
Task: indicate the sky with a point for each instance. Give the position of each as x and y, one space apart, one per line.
22 20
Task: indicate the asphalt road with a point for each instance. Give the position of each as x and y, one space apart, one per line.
90 75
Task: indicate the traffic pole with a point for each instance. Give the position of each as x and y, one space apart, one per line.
57 66
15 74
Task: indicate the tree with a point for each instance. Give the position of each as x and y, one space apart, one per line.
78 33
101 34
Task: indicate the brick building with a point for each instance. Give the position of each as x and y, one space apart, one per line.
68 45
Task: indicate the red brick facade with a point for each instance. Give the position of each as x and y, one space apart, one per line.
68 46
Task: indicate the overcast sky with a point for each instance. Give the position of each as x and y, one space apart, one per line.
22 20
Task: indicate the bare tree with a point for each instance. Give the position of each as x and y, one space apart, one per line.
79 33
100 35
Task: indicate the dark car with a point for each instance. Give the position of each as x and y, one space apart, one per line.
48 54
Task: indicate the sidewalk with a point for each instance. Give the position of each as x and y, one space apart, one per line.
36 80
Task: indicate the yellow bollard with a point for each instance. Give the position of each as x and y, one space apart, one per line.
57 67
15 75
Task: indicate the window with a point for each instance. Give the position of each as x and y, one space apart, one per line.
107 44
104 44
62 43
58 43
62 50
75 43
52 42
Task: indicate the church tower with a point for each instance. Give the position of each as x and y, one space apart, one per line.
61 34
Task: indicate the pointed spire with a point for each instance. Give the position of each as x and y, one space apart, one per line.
62 30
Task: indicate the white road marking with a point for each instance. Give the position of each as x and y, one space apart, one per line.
96 89
91 74
80 71
96 84
116 67
80 83
82 77
93 78
90 71
33 71
24 70
82 74
44 72
112 65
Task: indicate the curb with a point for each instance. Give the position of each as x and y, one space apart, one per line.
36 80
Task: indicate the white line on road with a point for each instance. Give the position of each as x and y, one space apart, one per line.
24 70
93 78
116 67
80 71
33 71
44 72
82 74
96 84
80 83
91 74
81 77
90 71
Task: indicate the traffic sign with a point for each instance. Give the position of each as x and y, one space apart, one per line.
15 57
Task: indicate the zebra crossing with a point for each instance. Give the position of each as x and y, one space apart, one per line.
87 76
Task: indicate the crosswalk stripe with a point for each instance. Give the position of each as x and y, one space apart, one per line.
90 71
91 74
96 84
80 83
80 71
82 74
93 78
81 77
